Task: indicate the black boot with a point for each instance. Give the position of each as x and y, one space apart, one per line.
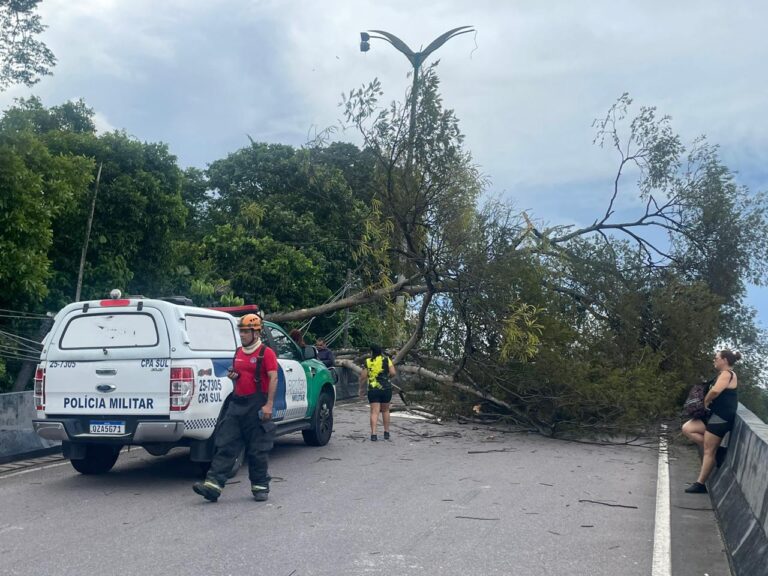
208 490
696 488
260 493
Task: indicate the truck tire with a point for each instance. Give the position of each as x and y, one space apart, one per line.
99 459
322 422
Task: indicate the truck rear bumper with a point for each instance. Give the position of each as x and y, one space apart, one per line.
71 430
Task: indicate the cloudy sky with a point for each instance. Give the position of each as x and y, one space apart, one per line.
202 75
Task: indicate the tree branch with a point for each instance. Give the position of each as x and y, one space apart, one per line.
419 331
358 299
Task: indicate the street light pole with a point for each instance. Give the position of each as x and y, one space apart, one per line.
416 59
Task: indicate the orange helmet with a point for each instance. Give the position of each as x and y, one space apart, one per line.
250 321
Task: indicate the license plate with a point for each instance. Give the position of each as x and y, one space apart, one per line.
107 427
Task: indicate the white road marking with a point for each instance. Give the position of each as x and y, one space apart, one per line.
662 553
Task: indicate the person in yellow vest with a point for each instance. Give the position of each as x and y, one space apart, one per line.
378 373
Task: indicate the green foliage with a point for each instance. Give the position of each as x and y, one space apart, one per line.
29 115
23 58
427 189
138 214
374 250
229 299
755 398
202 293
521 335
283 225
264 271
36 188
139 209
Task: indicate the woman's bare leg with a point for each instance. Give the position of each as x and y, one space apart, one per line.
711 443
694 430
385 415
375 408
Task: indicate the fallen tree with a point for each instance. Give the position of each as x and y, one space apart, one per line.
559 326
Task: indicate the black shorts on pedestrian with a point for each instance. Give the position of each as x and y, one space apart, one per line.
718 426
379 395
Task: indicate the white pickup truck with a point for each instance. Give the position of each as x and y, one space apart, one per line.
152 373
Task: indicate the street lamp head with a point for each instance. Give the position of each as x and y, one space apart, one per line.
415 58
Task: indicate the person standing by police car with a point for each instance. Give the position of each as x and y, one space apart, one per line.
248 417
378 373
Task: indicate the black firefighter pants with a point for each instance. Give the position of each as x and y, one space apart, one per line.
241 426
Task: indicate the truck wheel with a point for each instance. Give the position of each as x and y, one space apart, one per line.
99 459
322 422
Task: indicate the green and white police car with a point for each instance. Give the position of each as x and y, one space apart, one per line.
152 373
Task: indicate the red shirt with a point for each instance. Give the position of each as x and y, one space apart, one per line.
245 365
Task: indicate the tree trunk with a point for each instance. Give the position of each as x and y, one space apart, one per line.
358 299
450 381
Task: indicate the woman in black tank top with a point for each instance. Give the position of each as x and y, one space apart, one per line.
722 400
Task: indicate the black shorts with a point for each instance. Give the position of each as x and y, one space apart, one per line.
718 426
379 395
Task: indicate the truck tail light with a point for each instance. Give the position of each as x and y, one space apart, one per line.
182 387
39 388
113 303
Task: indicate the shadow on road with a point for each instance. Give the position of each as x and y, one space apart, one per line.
136 467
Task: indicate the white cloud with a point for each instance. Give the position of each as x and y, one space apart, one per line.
102 124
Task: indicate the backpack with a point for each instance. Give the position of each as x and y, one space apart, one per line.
693 408
694 404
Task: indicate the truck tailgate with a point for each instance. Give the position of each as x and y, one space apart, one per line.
108 362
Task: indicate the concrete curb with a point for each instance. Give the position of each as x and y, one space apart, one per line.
17 437
739 493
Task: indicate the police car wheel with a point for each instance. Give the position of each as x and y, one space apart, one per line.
99 459
322 422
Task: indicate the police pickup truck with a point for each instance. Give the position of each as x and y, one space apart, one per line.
152 373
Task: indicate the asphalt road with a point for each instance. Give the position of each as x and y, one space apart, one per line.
436 499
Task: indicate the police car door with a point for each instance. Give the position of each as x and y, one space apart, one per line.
291 395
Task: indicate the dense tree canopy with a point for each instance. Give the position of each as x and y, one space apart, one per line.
555 328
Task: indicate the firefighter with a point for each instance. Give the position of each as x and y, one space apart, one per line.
247 420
